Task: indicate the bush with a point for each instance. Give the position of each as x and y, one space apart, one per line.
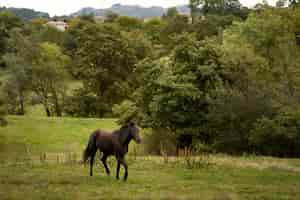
279 136
125 111
232 116
160 142
84 104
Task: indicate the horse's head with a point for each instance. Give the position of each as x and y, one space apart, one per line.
134 132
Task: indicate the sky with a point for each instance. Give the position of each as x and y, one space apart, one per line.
61 7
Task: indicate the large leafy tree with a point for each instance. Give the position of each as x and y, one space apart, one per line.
175 24
17 84
174 91
48 76
261 83
18 58
271 37
104 62
8 21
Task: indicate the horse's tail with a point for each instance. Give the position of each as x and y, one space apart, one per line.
91 147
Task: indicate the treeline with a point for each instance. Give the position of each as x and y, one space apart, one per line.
225 79
26 14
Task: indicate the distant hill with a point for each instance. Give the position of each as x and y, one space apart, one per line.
130 10
26 14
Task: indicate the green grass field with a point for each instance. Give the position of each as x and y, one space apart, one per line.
26 174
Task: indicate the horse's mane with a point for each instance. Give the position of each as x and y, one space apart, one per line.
125 126
123 133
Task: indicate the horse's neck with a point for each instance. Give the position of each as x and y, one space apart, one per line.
127 140
124 138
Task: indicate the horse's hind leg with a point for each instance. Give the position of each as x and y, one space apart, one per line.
103 159
118 169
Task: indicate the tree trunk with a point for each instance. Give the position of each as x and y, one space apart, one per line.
22 110
56 104
47 110
21 102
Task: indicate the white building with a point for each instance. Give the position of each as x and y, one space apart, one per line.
60 25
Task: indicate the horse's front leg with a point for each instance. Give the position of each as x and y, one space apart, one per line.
91 163
121 161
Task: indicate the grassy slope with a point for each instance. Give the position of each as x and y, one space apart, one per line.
149 177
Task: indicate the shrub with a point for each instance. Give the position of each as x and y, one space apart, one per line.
279 136
160 142
125 111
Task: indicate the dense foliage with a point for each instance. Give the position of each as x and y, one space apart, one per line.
225 78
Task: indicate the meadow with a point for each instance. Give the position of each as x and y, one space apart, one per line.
40 158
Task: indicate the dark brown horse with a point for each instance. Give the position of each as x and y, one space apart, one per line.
115 143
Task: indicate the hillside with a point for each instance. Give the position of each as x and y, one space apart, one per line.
26 14
130 10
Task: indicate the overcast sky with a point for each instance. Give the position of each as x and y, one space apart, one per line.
60 7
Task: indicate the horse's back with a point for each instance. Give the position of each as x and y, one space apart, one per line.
104 141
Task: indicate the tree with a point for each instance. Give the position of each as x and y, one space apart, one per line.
232 114
281 3
277 136
111 16
16 86
271 37
152 29
18 60
139 43
105 61
8 21
49 76
129 23
260 85
294 2
195 10
212 25
174 92
47 34
171 13
175 26
221 7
